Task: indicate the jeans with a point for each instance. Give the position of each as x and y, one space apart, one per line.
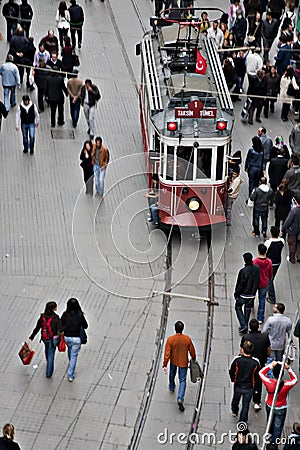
182 371
262 293
243 316
28 129
50 347
263 214
154 213
271 289
237 394
277 422
254 176
228 210
99 178
277 355
73 344
74 110
89 113
9 91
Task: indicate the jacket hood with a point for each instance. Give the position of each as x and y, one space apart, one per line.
264 187
262 262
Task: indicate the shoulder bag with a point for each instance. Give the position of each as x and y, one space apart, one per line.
196 372
291 91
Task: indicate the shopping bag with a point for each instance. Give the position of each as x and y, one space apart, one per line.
62 344
196 372
26 354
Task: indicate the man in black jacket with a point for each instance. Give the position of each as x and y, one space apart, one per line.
245 290
261 351
291 226
243 373
54 92
269 30
274 245
10 11
76 22
89 96
261 196
277 169
26 15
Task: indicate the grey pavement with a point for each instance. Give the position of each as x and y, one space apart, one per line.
56 243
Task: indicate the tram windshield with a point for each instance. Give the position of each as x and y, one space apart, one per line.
187 163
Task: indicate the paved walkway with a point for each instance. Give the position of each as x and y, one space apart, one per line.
56 243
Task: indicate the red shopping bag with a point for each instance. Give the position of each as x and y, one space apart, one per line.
62 344
26 354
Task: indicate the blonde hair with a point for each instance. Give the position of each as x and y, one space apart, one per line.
9 431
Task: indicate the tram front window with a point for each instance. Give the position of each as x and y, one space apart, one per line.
184 164
204 162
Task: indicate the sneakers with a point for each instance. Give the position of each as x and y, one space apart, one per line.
254 234
70 379
234 414
180 406
243 331
257 406
260 322
264 235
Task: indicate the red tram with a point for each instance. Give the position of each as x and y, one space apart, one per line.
186 118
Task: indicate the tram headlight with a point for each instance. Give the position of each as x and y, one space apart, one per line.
194 203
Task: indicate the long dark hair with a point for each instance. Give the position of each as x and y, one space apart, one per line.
257 144
289 73
49 308
87 142
62 8
73 306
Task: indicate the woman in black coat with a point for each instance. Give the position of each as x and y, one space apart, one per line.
7 441
73 322
87 166
283 198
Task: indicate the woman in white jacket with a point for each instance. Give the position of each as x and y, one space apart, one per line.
62 21
286 100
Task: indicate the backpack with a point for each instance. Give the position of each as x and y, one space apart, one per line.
46 330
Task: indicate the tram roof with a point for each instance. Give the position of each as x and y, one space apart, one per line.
172 82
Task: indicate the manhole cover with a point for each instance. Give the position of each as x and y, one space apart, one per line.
62 134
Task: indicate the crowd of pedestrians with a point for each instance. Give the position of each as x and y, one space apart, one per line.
54 79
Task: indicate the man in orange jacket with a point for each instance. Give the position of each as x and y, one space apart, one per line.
177 349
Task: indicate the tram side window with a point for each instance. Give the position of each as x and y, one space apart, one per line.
220 159
170 163
204 162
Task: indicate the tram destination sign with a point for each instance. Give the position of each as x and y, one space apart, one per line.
186 113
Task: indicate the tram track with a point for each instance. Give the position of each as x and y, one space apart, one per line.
156 362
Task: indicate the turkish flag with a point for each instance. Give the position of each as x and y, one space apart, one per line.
201 64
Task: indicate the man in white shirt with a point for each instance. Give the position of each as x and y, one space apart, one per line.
254 63
216 34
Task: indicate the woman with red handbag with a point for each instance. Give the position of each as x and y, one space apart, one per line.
50 325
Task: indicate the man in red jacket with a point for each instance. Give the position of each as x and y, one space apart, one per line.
177 349
266 273
281 402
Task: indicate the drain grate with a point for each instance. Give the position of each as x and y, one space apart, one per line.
62 134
